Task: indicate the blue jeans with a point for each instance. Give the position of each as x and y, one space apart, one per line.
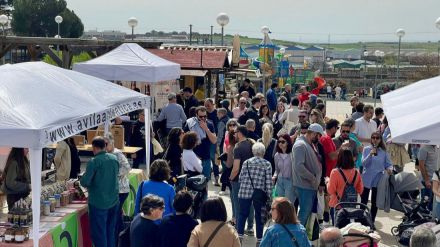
284 188
206 164
427 192
437 209
306 197
103 225
215 168
245 208
236 205
120 220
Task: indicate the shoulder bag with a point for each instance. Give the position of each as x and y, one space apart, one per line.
213 234
258 195
294 241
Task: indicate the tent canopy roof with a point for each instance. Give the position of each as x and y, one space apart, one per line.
130 62
42 104
412 112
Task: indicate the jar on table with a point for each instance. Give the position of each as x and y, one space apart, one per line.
19 235
9 235
53 204
46 208
65 198
58 200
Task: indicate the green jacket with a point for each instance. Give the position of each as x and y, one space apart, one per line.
101 180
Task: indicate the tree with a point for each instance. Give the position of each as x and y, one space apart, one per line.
37 19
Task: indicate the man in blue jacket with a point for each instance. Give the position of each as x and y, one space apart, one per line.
271 97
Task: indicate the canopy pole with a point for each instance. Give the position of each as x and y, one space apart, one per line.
107 126
36 155
147 140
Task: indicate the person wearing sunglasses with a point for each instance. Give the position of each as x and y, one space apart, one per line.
206 137
344 137
282 178
375 161
240 109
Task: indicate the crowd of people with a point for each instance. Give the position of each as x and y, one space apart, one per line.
277 155
277 159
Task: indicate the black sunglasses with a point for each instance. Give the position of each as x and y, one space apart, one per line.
375 137
282 141
202 116
345 131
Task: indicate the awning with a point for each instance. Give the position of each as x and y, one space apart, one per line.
193 72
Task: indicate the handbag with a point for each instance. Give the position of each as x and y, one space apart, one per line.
258 195
294 241
213 234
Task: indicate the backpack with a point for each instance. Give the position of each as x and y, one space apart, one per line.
350 194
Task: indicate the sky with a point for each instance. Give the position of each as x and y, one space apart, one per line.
318 21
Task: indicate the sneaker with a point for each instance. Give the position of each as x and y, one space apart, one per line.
249 232
223 193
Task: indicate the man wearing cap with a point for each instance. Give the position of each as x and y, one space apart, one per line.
306 170
225 104
173 113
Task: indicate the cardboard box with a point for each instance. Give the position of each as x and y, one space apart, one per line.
79 140
117 132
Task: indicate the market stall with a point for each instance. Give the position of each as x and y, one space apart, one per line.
42 104
413 114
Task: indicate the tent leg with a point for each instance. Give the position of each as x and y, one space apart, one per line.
147 140
106 126
35 165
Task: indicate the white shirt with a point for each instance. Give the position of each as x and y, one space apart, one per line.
290 115
338 90
237 112
364 129
436 178
329 89
190 161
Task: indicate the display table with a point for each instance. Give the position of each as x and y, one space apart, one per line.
88 148
69 226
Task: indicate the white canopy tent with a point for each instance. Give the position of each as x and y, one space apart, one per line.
130 62
42 104
413 112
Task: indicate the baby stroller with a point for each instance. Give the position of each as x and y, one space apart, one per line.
404 188
197 186
347 212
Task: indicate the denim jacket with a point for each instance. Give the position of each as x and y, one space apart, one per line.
276 236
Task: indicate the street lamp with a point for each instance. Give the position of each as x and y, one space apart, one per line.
58 20
365 68
437 24
379 55
222 20
400 33
132 22
3 21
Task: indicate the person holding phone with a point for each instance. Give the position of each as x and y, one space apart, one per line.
375 161
206 137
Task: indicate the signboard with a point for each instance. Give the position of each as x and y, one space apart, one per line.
159 93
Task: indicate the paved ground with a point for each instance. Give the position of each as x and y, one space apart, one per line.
384 221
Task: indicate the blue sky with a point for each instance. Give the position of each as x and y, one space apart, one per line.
295 20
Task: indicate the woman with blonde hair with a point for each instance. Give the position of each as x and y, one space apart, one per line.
269 143
316 117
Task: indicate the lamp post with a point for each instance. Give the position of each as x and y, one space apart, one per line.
58 20
3 21
132 22
379 55
222 20
365 68
437 24
400 33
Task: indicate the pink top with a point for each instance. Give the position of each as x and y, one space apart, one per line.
226 142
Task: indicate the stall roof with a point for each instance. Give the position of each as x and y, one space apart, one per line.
194 59
193 72
412 113
130 62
